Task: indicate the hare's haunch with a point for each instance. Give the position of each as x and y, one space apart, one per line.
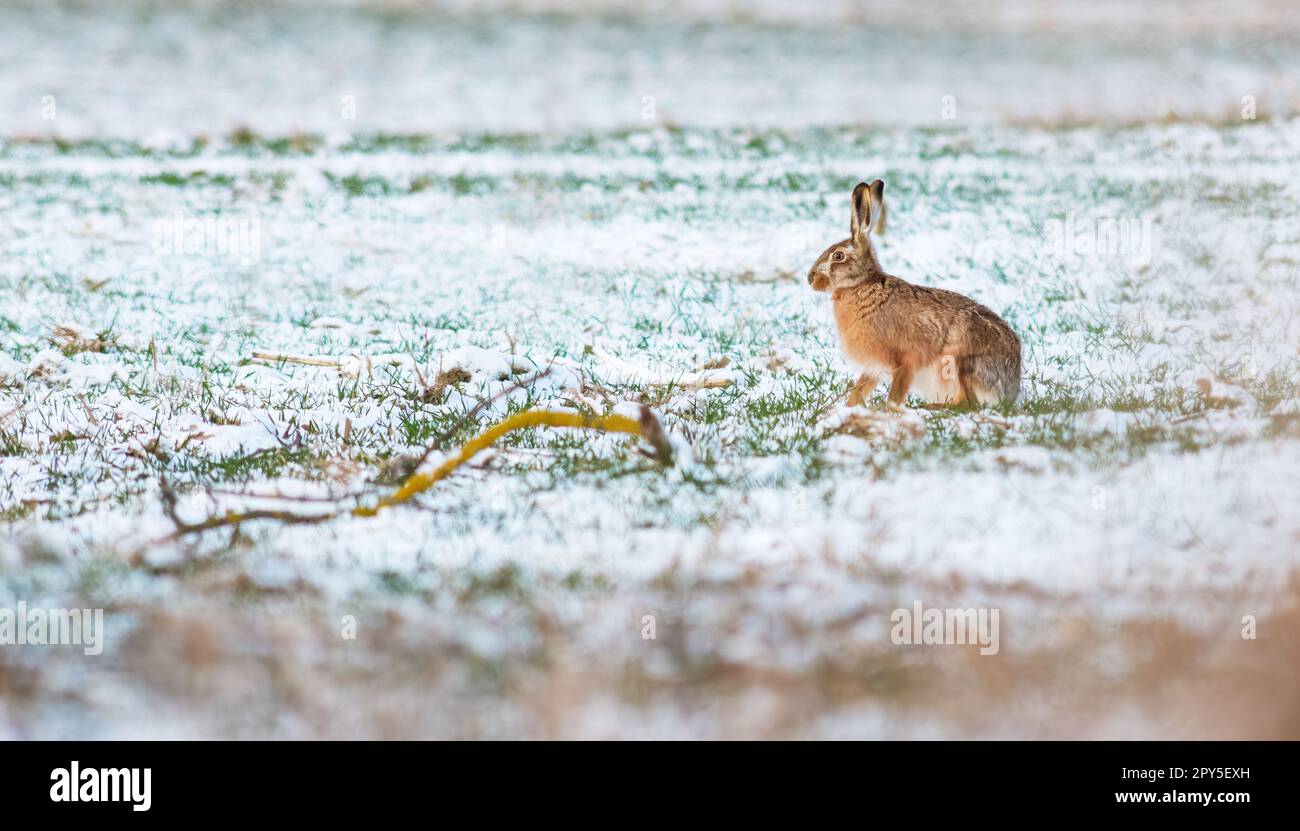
937 344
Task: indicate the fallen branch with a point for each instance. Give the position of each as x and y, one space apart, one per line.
647 427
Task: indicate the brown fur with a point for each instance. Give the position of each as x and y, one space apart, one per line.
954 350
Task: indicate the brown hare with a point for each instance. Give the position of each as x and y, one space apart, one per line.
937 344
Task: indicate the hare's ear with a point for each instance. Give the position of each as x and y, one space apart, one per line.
877 207
860 219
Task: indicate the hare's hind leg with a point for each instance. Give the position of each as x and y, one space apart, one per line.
992 379
967 397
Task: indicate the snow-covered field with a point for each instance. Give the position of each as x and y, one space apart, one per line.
198 212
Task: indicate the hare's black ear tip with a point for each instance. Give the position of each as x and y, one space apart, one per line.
878 185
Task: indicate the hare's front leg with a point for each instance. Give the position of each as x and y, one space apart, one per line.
898 385
866 383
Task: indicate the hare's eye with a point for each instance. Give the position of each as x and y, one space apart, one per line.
838 256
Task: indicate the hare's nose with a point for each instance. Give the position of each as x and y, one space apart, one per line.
810 277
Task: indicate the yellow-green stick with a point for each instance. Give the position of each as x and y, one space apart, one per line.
420 482
647 427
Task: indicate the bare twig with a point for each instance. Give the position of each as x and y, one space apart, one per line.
228 518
